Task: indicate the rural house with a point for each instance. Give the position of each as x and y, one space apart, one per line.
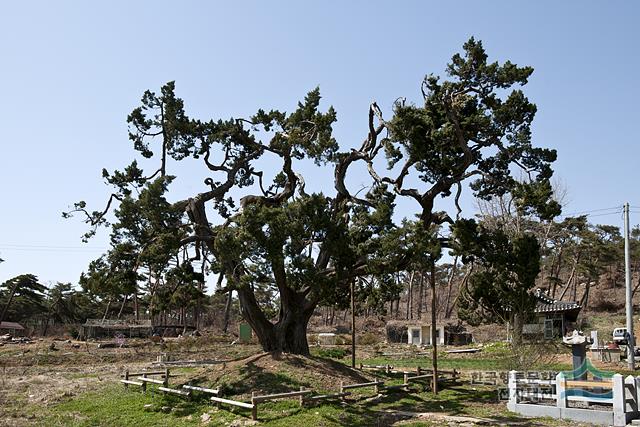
552 318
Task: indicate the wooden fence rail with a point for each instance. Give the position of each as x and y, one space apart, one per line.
268 397
255 400
152 380
254 409
135 374
201 389
375 384
175 391
326 396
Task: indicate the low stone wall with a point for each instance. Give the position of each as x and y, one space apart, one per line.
593 416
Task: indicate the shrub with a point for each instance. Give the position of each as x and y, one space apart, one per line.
333 353
369 339
396 332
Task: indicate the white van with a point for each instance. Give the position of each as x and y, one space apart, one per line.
620 336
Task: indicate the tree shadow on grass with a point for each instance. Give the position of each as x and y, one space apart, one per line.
256 379
357 415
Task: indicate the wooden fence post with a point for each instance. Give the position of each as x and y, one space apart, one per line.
254 409
166 377
341 386
376 389
126 377
301 397
144 384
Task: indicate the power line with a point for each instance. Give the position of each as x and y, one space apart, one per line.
604 214
616 208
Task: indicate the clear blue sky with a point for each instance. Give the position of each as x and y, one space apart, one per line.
72 71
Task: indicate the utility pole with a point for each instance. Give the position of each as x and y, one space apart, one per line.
353 324
629 302
434 329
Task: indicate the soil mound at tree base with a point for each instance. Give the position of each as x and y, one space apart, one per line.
267 373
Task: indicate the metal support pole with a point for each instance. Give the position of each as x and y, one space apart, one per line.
353 324
629 301
434 329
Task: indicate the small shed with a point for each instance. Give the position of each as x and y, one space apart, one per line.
109 328
13 328
552 318
421 334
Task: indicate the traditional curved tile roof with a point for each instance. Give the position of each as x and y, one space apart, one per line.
545 304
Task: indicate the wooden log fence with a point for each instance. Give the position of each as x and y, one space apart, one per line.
255 400
327 396
254 411
175 391
404 387
201 389
141 379
152 380
375 384
136 374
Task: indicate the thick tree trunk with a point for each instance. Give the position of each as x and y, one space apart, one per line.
288 337
289 334
227 311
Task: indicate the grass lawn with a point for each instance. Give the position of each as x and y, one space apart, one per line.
492 358
115 406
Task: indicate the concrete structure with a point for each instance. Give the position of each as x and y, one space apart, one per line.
326 338
421 335
595 343
604 354
578 343
622 397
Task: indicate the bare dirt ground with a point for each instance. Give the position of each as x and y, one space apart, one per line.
47 371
